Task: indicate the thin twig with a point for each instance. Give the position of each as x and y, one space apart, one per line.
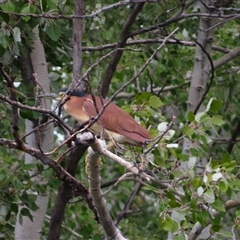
178 18
56 15
157 139
128 204
35 109
151 41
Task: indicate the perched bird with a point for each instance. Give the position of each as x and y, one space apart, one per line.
114 123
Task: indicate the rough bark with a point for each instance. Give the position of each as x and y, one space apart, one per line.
32 229
65 193
200 75
201 70
77 45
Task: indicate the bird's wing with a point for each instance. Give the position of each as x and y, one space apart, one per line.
116 120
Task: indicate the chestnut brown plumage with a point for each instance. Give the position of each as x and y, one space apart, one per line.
115 124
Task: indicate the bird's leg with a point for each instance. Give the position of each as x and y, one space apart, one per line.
111 146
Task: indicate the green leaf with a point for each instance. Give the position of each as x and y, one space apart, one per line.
17 34
143 96
223 187
52 4
155 102
183 156
32 205
235 184
204 118
8 215
8 6
173 152
217 120
149 188
159 161
177 173
107 34
225 157
14 208
209 196
218 205
26 10
5 41
27 114
191 116
223 234
229 166
26 212
193 203
179 237
53 76
17 184
54 32
173 203
179 215
170 225
194 152
216 228
196 182
40 188
188 131
202 217
216 105
5 16
6 57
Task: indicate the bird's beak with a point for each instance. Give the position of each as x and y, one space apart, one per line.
49 96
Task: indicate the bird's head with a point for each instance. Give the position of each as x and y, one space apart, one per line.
62 94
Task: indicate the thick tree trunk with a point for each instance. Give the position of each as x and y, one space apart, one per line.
64 192
200 77
201 70
32 229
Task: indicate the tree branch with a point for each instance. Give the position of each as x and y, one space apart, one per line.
65 193
77 44
226 58
154 90
35 109
94 168
150 41
121 44
128 204
73 183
